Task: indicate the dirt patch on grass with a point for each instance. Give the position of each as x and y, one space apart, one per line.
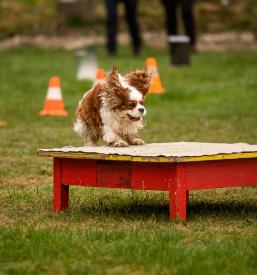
207 42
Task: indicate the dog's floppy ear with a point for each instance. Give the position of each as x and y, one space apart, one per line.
112 79
140 79
116 92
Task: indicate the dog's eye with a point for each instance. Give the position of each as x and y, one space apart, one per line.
132 105
141 102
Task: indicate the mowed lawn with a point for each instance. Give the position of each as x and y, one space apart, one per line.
122 231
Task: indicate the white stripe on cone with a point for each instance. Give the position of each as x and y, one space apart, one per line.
54 93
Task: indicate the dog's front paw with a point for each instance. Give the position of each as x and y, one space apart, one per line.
136 141
118 143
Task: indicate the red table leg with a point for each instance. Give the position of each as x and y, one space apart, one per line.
178 194
61 192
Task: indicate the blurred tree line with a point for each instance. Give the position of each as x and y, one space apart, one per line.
31 17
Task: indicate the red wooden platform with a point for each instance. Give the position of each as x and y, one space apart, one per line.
177 175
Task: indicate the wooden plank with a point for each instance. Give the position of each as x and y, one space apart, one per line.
60 192
79 172
226 173
242 155
152 176
98 156
114 174
178 194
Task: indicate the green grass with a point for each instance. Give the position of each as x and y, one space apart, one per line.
121 231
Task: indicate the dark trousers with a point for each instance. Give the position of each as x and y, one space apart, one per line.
112 24
186 6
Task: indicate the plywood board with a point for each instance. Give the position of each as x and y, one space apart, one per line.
158 152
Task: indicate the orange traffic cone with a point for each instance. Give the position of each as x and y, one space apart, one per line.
100 75
3 123
156 86
54 103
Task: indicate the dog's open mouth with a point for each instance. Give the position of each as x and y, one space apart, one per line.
133 118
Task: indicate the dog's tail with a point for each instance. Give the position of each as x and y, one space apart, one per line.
79 127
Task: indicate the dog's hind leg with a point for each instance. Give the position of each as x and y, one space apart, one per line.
91 141
90 137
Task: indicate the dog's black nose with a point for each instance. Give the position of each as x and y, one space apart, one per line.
141 110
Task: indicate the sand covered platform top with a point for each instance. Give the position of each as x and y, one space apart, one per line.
157 152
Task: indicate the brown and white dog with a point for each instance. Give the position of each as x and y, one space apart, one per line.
113 109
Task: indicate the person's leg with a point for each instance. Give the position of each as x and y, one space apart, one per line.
111 26
170 7
131 17
188 19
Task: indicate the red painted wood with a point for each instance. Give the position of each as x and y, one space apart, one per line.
177 178
178 194
187 195
61 192
115 174
79 172
152 176
222 173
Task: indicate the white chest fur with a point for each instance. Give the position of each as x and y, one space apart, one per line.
119 122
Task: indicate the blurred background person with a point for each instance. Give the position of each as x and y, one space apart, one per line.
186 9
112 25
